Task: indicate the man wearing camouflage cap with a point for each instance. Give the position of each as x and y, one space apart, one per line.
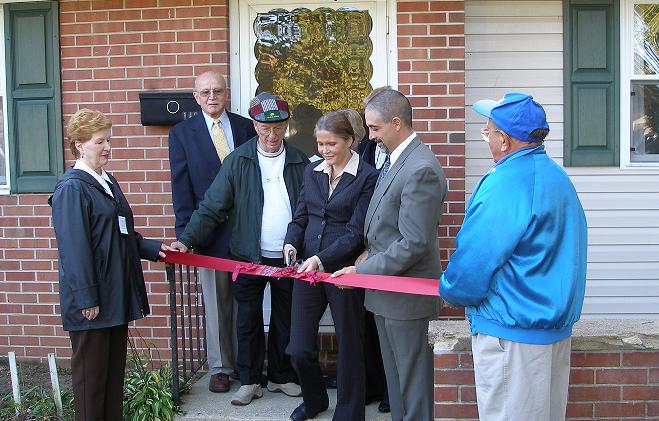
256 189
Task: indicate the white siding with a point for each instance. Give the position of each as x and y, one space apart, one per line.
518 46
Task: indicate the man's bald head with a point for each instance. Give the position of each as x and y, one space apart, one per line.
210 92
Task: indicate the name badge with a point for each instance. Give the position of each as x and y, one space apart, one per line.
122 225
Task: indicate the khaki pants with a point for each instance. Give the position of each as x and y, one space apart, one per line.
521 382
221 342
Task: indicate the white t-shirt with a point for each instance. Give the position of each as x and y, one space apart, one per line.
277 211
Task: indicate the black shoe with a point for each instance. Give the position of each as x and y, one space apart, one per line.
384 407
300 413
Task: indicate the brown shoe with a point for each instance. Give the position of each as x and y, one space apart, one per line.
219 383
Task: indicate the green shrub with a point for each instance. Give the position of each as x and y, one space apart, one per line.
147 390
36 404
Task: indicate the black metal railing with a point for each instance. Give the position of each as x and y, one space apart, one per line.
188 341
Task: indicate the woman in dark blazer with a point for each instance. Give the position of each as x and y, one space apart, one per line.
327 230
101 284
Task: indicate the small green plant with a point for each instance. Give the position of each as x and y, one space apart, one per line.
147 390
36 404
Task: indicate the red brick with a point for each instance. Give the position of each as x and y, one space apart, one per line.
593 393
579 410
174 24
582 376
653 409
142 26
456 411
640 393
467 394
414 6
447 6
654 375
427 18
625 409
445 361
454 377
641 359
107 27
446 394
621 376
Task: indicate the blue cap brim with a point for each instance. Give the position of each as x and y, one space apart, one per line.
484 107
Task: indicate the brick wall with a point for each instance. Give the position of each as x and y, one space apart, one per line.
113 49
603 386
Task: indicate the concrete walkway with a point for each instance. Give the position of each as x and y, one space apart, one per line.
200 404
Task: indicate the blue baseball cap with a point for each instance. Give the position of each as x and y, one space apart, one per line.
516 114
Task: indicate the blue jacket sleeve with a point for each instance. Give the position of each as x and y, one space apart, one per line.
496 219
71 217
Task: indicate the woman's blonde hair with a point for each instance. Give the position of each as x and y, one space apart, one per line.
82 126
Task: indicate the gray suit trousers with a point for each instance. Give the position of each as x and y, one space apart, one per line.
221 342
408 364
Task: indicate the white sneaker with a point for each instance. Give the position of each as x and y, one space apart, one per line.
289 389
246 393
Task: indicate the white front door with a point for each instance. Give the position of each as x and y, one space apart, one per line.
318 56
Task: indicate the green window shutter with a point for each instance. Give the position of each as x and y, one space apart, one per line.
34 106
592 82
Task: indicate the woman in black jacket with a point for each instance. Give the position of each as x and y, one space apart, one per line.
327 230
100 275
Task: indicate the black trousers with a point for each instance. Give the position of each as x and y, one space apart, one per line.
248 292
97 372
376 382
347 306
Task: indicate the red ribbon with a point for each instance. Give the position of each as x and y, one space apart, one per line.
402 284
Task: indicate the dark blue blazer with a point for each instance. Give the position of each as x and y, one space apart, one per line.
332 228
194 164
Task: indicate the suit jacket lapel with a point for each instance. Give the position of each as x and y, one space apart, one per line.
344 182
206 145
323 183
386 182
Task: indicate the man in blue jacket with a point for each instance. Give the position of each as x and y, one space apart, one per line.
197 148
520 268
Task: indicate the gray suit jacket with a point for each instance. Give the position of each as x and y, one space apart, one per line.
401 232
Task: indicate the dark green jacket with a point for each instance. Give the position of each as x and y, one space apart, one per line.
236 197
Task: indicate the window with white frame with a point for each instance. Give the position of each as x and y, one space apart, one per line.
640 83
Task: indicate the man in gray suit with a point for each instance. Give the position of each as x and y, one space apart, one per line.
401 239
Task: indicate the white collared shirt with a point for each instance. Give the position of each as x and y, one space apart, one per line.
395 154
350 168
226 126
102 179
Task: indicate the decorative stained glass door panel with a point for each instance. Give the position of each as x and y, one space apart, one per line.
319 57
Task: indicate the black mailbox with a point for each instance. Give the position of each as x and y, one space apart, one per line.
167 108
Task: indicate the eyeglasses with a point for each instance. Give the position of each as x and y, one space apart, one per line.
485 134
207 92
267 131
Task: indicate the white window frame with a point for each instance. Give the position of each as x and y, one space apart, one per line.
626 77
242 61
4 188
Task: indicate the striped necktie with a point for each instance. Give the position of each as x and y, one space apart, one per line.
383 171
220 140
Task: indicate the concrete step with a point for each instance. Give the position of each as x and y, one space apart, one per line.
201 404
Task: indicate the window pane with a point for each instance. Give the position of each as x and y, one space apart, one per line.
646 39
3 158
645 122
318 61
